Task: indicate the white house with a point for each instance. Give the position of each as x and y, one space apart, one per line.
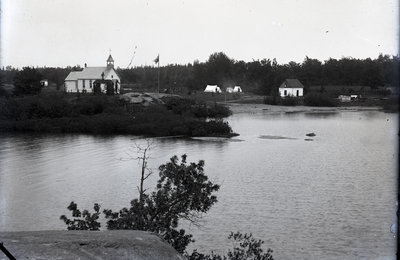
212 89
82 81
291 87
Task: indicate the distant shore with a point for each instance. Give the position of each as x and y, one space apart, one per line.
237 108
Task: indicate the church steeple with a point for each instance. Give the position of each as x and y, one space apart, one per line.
110 62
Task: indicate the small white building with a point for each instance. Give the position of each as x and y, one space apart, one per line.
44 83
212 89
291 87
82 81
344 98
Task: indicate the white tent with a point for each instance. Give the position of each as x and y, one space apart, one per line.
229 90
237 89
213 89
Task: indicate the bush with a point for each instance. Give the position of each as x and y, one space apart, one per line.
319 100
289 101
92 105
3 92
245 247
27 82
286 101
218 111
179 105
210 128
391 105
195 108
21 108
271 100
82 220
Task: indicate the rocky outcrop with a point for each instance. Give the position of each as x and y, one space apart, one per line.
118 244
145 99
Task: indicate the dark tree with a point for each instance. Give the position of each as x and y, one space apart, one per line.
183 192
27 82
219 69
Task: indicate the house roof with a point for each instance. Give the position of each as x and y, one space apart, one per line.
291 83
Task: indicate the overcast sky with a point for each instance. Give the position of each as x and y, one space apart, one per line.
70 32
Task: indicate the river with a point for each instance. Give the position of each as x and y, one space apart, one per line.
332 196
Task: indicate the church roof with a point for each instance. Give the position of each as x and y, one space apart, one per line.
93 72
88 73
72 75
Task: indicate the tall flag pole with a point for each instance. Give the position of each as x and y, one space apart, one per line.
157 60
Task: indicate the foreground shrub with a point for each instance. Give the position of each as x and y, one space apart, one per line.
82 220
245 247
319 100
183 191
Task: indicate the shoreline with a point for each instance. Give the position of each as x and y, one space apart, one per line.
238 108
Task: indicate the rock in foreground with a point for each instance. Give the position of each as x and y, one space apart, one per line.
119 244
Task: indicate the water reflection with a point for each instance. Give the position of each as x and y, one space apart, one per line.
331 198
322 114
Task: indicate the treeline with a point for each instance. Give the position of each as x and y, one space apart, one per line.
264 76
259 76
54 75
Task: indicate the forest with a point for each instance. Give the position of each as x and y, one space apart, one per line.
258 76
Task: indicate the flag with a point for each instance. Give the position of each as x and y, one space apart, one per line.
157 60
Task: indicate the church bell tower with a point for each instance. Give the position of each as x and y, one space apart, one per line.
110 62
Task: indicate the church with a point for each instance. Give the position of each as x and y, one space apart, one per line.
85 81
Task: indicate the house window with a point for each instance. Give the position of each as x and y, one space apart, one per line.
83 83
90 84
297 92
285 92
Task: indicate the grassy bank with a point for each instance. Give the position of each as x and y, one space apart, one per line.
62 113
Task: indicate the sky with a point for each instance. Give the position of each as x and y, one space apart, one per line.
60 33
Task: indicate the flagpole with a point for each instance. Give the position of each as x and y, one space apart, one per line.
158 75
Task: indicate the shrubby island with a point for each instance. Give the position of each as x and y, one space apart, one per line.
102 114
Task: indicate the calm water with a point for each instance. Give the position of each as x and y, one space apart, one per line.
330 198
